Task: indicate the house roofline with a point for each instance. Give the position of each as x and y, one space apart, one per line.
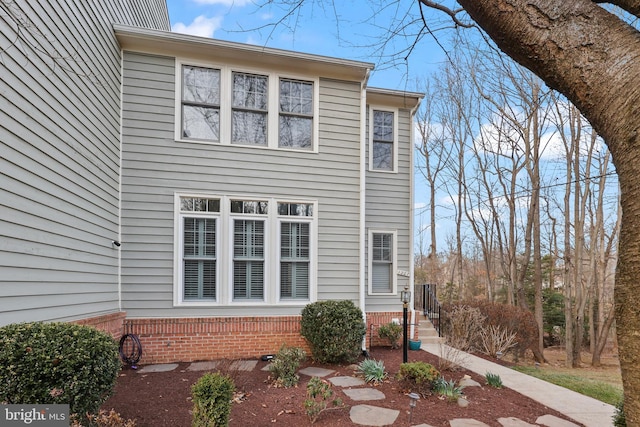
182 45
396 98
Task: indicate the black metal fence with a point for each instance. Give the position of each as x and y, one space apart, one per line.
426 301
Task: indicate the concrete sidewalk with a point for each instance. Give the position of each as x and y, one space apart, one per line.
583 409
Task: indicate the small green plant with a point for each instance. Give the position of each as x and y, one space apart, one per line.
319 397
334 330
619 419
57 363
447 389
493 380
284 366
211 396
372 370
418 377
391 332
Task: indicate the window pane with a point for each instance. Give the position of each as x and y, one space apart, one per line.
199 262
248 259
382 126
382 156
381 278
250 91
249 128
295 132
200 122
201 85
294 256
296 97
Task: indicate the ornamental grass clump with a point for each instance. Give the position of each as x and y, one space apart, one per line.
447 389
493 380
57 363
334 331
372 370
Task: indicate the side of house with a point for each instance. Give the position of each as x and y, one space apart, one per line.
60 157
244 184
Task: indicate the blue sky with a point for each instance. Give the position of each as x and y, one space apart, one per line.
356 35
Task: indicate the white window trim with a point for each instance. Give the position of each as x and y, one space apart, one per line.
313 259
395 111
226 91
224 258
394 263
178 291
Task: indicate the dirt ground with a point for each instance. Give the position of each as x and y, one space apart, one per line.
164 399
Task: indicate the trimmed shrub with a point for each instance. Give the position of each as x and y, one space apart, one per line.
212 395
284 366
334 330
391 332
57 363
418 377
462 326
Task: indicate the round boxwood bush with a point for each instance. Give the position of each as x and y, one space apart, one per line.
57 363
334 330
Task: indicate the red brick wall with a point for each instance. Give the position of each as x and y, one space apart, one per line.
111 323
210 338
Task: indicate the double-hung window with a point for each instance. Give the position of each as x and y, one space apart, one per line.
200 103
248 249
233 106
244 250
199 225
296 114
250 107
382 262
383 146
295 250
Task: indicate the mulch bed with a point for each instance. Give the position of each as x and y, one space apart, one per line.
164 399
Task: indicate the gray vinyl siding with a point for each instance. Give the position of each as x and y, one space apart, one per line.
388 207
155 167
59 156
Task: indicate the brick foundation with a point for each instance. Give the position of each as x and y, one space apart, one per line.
210 338
110 323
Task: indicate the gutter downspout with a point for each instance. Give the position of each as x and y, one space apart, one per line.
363 187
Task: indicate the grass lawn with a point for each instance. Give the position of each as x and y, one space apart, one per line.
604 391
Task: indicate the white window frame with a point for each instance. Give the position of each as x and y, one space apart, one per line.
226 93
372 110
313 245
179 298
224 251
394 262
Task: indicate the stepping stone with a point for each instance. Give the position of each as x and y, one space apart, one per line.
266 367
367 415
466 381
243 365
553 421
203 366
514 422
360 394
165 367
423 425
466 422
347 381
312 371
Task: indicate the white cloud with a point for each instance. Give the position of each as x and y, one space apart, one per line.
201 26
